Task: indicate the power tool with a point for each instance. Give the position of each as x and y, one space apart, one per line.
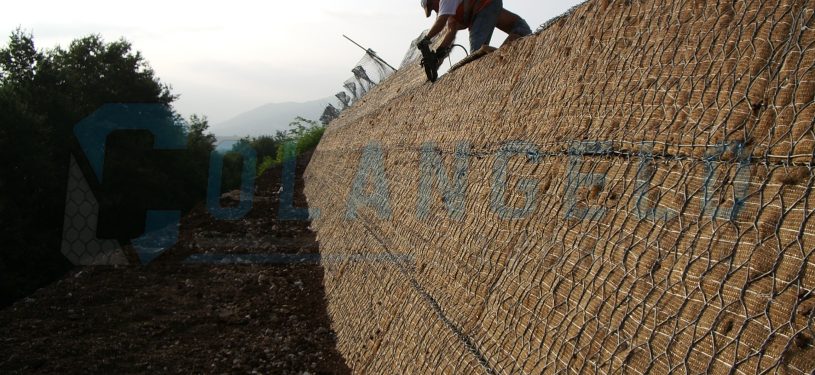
431 60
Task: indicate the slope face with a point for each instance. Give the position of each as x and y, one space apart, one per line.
628 190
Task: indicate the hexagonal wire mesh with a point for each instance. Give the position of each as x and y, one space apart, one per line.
79 242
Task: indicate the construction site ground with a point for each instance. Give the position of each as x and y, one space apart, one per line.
174 317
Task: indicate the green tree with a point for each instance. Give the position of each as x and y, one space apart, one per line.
200 143
305 133
18 62
43 94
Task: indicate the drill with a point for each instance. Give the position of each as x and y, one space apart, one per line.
431 60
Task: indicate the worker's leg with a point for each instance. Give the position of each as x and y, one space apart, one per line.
484 25
513 25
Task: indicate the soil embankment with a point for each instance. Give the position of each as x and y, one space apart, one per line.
627 191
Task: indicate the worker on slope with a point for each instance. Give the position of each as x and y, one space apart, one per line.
480 16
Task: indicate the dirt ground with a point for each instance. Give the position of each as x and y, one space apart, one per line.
176 317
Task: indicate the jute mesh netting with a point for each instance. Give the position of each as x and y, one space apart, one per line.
627 191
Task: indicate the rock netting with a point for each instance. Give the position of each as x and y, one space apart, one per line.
628 190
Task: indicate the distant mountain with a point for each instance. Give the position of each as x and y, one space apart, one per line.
269 118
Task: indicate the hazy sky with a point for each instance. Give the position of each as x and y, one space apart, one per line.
227 57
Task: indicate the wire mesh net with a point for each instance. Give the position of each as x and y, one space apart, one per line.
329 114
628 191
412 56
370 71
79 243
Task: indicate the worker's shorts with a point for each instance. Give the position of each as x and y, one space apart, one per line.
485 22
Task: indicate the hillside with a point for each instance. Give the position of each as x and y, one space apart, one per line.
628 191
269 118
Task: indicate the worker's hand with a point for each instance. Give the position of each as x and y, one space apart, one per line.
442 53
425 42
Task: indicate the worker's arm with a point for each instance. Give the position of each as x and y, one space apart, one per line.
450 32
450 26
438 26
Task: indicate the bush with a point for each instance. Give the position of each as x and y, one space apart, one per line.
303 133
310 140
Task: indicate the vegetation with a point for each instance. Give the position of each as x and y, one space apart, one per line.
43 94
304 133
